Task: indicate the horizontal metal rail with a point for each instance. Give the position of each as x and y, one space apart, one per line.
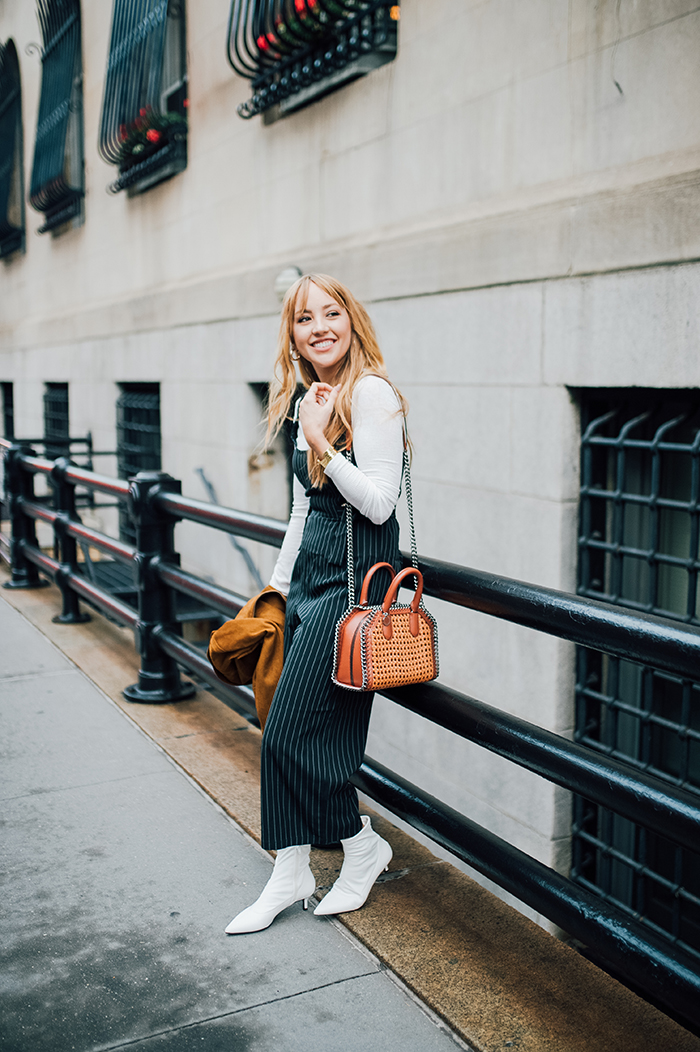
103 483
659 968
37 465
124 552
196 662
99 598
78 476
635 636
38 511
242 523
673 813
220 598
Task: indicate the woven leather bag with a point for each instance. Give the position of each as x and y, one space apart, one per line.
391 645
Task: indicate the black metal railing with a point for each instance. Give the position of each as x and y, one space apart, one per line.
645 958
295 51
57 185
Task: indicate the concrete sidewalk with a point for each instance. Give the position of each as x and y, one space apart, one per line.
119 876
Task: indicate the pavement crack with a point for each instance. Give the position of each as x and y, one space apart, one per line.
20 677
236 1011
81 785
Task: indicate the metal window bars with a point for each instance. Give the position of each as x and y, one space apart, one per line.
11 161
8 409
57 184
138 439
144 124
639 548
56 420
295 51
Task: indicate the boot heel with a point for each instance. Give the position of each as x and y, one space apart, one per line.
306 904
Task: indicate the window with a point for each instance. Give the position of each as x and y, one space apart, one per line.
295 51
11 153
8 411
639 548
57 186
56 421
144 122
138 439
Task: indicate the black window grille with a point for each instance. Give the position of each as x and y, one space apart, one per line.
56 421
8 410
57 186
144 109
639 548
11 153
138 439
295 51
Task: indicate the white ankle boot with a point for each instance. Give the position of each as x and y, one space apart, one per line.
366 855
291 880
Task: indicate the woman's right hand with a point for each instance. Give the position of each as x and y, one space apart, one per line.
315 412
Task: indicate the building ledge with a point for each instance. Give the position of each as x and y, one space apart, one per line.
497 979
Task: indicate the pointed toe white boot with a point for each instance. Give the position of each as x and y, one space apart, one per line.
291 881
366 855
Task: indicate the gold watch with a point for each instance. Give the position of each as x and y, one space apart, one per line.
325 460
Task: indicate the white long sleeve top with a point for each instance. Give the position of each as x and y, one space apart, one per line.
372 485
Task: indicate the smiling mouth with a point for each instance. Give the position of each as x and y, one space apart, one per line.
323 345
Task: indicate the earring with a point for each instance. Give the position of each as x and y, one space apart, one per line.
294 354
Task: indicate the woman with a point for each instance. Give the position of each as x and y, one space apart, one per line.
315 734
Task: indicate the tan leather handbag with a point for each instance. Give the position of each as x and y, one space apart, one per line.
391 645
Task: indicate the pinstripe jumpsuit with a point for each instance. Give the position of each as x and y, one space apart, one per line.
316 732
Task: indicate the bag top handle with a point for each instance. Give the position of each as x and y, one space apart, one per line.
368 577
389 598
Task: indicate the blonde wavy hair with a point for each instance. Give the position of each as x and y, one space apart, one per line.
363 358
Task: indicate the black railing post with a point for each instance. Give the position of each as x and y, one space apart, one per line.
64 494
159 677
19 485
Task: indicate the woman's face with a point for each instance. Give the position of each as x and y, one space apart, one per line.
322 333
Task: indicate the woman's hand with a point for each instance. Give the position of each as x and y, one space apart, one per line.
315 412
